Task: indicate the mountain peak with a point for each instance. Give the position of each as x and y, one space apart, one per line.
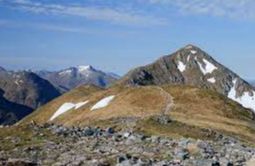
191 50
78 69
193 66
82 68
75 76
191 46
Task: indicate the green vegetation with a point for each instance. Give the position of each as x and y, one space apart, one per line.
23 136
174 129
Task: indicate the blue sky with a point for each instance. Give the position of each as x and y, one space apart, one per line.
116 35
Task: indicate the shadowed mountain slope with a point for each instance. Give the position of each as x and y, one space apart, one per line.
21 93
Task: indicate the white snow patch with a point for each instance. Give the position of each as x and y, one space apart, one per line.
67 107
79 105
103 103
188 58
246 100
84 68
209 67
193 51
62 109
181 66
211 80
65 72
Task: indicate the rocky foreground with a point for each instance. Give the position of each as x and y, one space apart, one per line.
58 145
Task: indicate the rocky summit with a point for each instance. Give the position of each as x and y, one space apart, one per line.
193 66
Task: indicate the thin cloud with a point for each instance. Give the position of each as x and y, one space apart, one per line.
236 9
62 28
107 14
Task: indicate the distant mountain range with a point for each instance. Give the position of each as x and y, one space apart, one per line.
73 77
24 91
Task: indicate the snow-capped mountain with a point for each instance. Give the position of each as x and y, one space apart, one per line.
72 77
192 66
171 105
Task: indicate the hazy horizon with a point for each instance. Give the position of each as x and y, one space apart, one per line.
117 36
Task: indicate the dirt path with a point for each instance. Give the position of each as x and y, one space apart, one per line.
169 102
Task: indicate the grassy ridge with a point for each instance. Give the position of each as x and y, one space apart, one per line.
193 110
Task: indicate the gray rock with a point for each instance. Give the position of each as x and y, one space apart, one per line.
20 162
203 162
121 159
163 119
110 130
181 153
98 148
88 131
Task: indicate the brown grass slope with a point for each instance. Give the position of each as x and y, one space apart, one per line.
76 95
192 111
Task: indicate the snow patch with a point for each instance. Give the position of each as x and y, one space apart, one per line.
193 51
181 66
246 100
84 68
62 109
103 103
188 58
211 80
209 67
67 107
65 72
79 105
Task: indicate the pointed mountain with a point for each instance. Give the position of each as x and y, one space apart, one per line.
72 77
192 66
